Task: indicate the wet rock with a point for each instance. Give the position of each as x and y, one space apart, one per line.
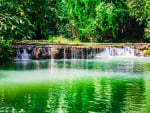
137 52
21 50
29 50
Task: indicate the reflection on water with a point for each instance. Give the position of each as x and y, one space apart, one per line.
76 86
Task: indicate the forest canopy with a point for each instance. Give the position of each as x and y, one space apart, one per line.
87 20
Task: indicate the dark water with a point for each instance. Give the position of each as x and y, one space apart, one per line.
104 85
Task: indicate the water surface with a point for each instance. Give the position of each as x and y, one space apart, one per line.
103 85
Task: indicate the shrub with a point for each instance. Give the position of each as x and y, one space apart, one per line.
62 40
6 51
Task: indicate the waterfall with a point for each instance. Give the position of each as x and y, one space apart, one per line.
94 52
22 54
75 52
82 53
52 53
65 53
114 51
18 54
25 55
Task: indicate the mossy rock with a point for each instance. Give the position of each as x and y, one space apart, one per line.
147 52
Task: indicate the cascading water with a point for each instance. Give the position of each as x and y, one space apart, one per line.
65 53
25 55
78 53
52 54
75 52
113 51
22 54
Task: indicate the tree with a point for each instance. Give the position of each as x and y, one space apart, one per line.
81 15
14 23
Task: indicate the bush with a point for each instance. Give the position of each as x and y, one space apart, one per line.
6 51
62 40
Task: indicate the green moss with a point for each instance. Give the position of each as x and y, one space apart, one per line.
147 52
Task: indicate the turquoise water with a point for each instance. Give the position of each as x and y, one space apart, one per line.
104 85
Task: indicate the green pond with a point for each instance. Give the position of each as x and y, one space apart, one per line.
103 85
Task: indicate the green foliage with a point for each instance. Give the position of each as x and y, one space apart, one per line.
147 52
28 19
140 9
81 15
62 40
42 14
94 20
6 51
76 41
13 21
86 20
57 39
107 18
62 19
